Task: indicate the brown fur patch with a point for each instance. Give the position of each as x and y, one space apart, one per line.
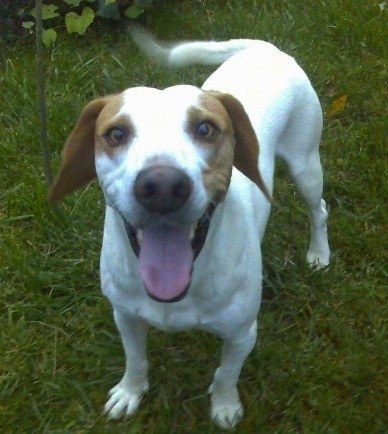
246 151
107 121
217 173
78 155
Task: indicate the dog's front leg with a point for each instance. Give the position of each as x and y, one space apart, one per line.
125 397
226 408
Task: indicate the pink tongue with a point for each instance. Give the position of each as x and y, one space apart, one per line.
165 261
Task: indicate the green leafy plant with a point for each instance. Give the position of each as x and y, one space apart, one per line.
78 15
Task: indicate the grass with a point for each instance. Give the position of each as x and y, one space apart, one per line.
320 365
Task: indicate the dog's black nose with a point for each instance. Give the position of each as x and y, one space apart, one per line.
162 189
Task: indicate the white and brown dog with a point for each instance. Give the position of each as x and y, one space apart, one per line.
187 199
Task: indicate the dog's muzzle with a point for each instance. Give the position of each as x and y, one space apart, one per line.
166 252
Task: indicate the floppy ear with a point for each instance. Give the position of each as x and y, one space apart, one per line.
77 166
246 152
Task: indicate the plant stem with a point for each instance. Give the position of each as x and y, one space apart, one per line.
41 94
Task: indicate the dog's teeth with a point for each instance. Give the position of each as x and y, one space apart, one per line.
139 236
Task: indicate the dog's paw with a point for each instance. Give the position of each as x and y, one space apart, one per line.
122 402
227 416
318 258
226 409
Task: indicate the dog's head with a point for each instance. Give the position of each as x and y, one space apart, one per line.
162 157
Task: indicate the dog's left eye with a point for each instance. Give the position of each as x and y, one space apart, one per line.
207 130
115 136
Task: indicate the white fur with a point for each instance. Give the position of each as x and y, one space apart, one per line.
225 291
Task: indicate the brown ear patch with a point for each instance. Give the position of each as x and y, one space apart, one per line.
78 166
246 152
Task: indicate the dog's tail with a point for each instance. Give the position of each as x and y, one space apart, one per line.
187 53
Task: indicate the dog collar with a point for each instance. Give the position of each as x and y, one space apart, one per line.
196 243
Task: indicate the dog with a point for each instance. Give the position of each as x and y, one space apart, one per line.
187 176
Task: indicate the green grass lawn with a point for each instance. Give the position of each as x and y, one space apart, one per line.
320 365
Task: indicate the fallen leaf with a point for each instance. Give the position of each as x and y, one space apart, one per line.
336 106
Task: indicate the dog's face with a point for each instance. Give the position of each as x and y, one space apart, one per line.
161 157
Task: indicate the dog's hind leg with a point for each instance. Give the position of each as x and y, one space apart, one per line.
226 408
125 397
299 148
306 172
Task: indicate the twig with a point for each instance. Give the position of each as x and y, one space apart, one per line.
41 94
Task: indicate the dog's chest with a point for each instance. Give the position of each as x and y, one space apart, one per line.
171 317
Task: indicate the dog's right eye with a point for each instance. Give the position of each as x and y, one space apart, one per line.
207 130
115 136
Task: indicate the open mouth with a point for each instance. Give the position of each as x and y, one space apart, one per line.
166 255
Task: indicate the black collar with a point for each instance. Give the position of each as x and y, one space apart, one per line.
196 243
